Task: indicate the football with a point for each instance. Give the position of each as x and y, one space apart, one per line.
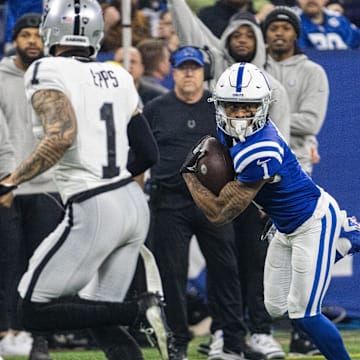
215 168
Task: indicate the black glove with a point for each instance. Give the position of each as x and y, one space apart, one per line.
6 188
190 164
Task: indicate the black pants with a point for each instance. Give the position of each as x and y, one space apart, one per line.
22 227
251 259
172 232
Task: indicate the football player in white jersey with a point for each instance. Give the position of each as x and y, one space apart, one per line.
90 128
308 220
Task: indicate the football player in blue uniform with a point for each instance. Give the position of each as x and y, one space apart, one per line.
310 225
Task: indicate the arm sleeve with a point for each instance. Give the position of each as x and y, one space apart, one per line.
143 152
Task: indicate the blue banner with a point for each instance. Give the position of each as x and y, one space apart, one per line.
339 171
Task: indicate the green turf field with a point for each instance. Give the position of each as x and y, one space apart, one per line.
351 338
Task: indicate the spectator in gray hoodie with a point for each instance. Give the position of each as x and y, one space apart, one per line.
306 83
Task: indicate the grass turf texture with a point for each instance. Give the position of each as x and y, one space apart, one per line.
351 339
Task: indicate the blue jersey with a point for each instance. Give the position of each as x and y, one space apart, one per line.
336 33
290 199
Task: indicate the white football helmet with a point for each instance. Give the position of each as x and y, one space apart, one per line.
72 22
242 82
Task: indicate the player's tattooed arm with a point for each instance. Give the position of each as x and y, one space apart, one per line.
59 123
233 199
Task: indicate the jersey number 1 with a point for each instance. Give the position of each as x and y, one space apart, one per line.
106 113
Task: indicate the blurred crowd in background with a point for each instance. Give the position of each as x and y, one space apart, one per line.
147 16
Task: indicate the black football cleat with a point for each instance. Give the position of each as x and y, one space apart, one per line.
39 350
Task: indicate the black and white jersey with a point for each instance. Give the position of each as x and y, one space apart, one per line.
104 98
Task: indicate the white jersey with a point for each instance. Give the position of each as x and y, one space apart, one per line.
104 98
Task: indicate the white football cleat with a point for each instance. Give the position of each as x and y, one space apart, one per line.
10 345
266 345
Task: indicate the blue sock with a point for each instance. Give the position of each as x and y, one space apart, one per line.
324 335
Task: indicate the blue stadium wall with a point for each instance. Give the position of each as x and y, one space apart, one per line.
339 169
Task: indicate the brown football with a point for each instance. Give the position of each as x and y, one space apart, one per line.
215 169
